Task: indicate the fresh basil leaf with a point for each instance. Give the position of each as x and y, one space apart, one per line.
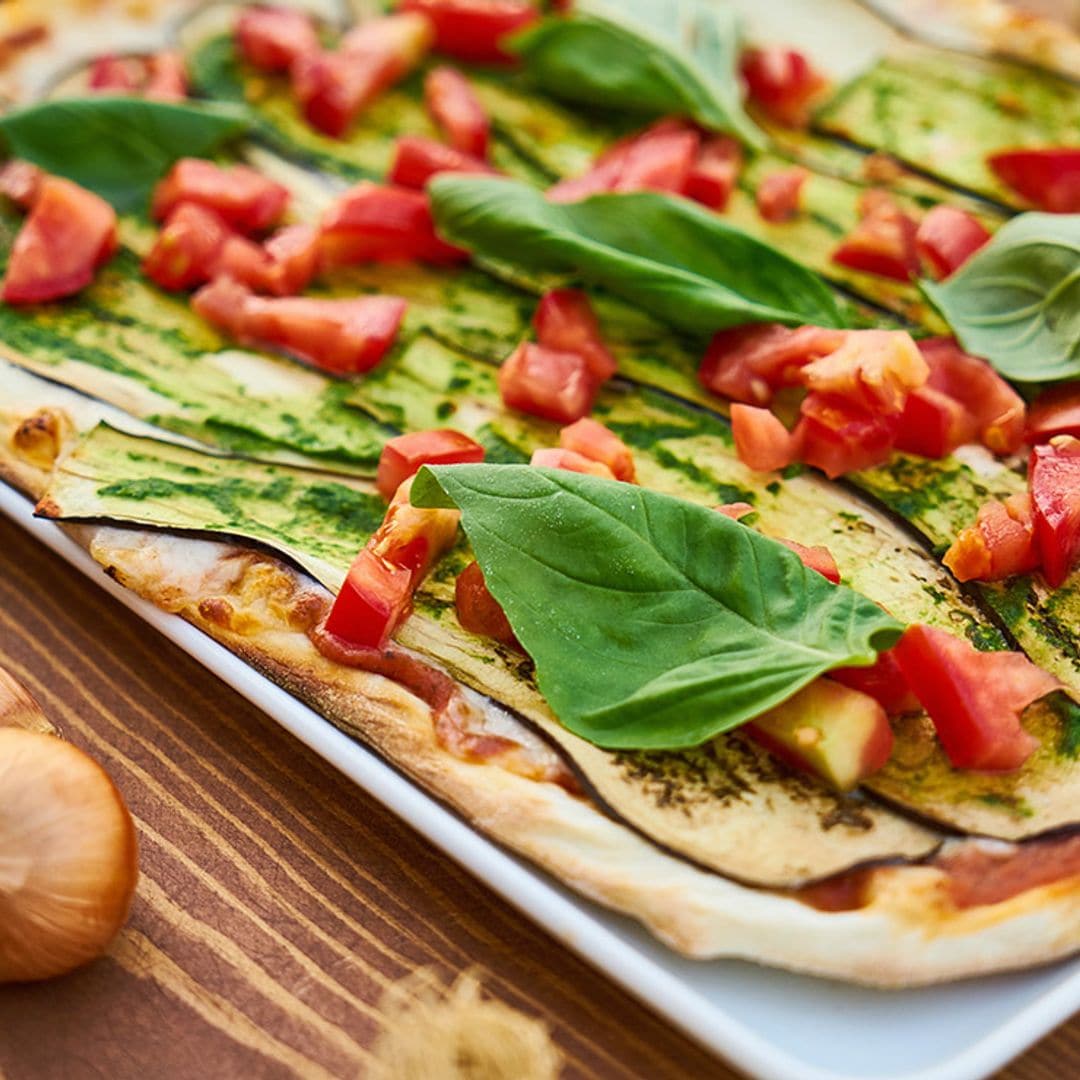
116 146
673 258
1016 302
657 58
654 623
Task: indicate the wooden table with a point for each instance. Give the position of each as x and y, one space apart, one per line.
277 902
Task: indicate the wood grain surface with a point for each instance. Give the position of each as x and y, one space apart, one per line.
277 902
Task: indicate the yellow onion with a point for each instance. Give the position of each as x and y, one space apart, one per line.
68 857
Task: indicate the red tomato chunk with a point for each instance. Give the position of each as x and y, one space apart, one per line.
457 111
947 238
974 698
715 172
884 241
1054 412
565 321
548 383
474 29
340 336
247 200
600 444
1000 544
761 440
333 88
782 83
404 455
271 38
477 610
374 223
555 457
1048 177
778 194
1054 479
68 234
417 160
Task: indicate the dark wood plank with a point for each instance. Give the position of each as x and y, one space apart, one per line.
277 902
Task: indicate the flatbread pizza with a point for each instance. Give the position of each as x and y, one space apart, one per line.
663 455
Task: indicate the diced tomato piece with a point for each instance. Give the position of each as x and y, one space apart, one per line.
271 38
293 254
934 424
600 443
565 321
188 248
602 177
997 409
417 160
1048 177
166 77
247 200
21 182
761 440
373 601
377 594
750 363
947 237
974 698
333 88
782 83
1054 480
1000 544
876 369
736 510
556 457
477 610
403 456
68 234
883 242
474 29
715 172
547 382
341 336
374 223
777 196
1053 412
818 557
456 110
884 681
662 158
412 536
115 75
838 436
404 39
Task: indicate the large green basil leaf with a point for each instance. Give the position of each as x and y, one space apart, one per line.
117 146
655 57
668 255
1016 302
653 622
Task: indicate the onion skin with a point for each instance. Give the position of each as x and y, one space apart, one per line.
68 857
18 708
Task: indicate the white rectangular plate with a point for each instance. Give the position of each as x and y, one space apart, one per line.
769 1023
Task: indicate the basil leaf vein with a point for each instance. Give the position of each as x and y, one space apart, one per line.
657 58
654 623
675 259
1016 302
118 147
